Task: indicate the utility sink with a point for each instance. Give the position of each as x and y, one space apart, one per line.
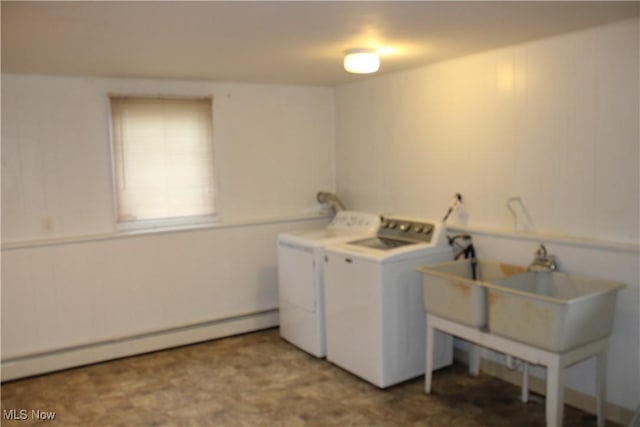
551 310
451 292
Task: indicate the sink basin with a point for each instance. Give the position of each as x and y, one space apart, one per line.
450 292
551 310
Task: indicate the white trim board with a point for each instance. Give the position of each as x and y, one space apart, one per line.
78 356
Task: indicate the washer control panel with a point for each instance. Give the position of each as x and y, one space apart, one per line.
408 230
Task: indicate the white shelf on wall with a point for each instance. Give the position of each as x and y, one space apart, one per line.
245 222
548 238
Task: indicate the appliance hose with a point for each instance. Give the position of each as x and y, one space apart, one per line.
331 200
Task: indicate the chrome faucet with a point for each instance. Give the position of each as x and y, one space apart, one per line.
543 261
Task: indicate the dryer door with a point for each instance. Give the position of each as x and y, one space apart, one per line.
297 276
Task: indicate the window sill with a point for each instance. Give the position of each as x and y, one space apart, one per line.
167 224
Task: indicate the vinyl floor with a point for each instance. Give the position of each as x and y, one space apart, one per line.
258 379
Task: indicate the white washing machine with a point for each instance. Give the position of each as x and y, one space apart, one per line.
301 277
374 305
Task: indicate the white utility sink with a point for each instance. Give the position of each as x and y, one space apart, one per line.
551 310
450 291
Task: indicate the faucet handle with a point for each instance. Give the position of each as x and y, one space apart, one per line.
542 251
543 261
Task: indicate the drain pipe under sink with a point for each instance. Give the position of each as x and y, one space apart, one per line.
513 363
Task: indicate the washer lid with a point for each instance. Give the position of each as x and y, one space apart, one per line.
381 243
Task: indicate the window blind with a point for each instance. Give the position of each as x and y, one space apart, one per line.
163 157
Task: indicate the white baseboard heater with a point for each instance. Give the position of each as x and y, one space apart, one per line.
72 357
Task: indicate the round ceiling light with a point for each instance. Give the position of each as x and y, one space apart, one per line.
361 61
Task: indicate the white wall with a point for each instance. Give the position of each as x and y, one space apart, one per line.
56 161
69 295
554 122
61 288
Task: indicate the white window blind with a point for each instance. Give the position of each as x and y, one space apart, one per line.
163 158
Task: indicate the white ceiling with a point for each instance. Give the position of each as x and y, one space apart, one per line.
271 41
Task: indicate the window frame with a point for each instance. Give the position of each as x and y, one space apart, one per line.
187 221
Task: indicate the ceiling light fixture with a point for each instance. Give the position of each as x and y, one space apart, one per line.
361 61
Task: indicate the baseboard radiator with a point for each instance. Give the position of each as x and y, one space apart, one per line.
57 360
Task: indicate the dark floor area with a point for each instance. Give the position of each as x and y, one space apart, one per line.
259 380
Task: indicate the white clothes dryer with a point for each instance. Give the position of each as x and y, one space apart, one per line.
374 304
301 277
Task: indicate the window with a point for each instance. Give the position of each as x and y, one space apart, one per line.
163 160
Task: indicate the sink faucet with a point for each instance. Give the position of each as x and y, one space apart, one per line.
543 261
